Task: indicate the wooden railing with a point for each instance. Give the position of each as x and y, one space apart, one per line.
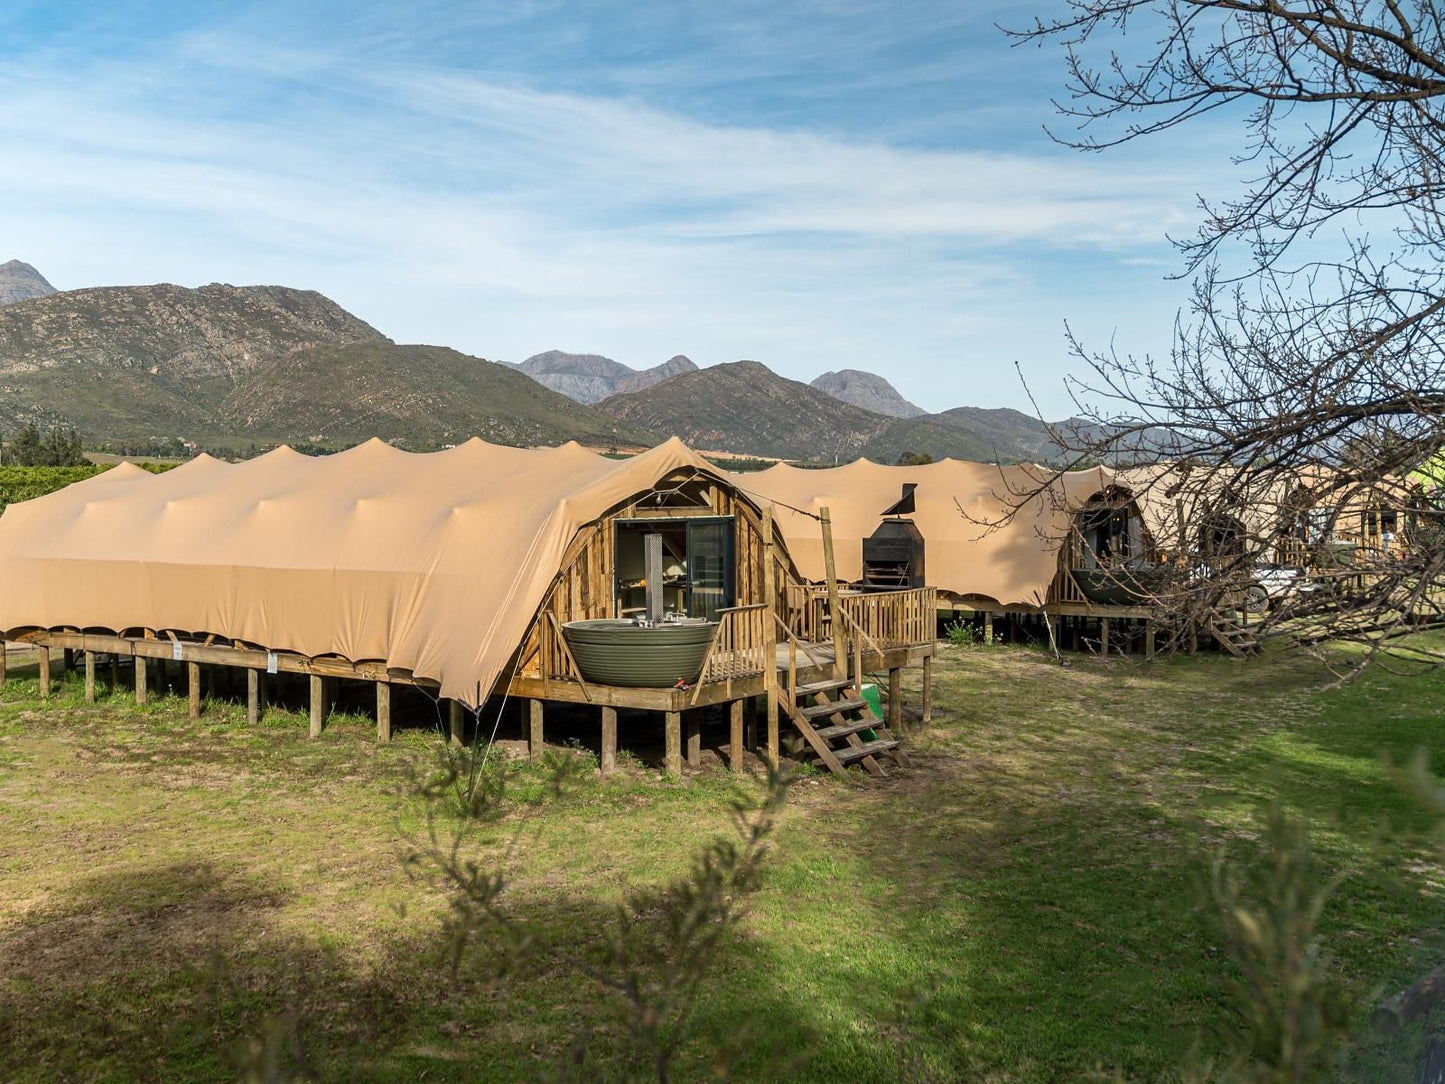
891 619
740 647
1065 588
554 657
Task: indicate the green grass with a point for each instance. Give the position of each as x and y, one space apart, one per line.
1023 905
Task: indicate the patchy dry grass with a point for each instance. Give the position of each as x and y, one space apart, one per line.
1022 905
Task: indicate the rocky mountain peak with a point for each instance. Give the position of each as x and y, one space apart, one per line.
21 282
867 390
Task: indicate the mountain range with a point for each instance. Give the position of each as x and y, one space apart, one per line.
223 366
590 378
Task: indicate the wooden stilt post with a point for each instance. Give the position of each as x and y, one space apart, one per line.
895 698
928 688
534 734
3 663
770 636
44 670
840 650
68 663
608 761
253 696
1148 639
987 627
735 735
1104 636
193 690
140 679
318 704
90 677
457 722
673 737
383 711
693 719
114 672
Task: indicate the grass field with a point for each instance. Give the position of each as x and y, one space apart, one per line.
1023 905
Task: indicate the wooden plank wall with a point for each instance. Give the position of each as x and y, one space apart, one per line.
584 588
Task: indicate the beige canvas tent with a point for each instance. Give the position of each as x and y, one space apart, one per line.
975 551
468 572
433 563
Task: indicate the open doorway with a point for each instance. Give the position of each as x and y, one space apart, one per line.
698 577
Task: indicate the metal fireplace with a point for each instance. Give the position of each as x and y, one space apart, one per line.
893 554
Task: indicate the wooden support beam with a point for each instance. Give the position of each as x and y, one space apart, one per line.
835 616
1104 637
693 719
770 634
928 688
140 680
895 698
4 661
253 697
44 671
987 627
318 704
193 690
383 711
457 722
735 735
90 677
608 761
535 742
673 737
1148 639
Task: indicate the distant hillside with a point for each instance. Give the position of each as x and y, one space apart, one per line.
21 282
746 407
868 391
127 362
419 396
590 378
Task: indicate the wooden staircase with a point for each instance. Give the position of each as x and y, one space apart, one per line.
1232 636
835 721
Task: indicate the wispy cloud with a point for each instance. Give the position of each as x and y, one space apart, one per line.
501 215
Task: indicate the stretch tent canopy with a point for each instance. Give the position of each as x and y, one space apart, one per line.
434 563
974 547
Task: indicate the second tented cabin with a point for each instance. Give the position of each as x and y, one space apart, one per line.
545 575
1014 543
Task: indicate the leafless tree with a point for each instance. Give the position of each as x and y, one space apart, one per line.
1306 384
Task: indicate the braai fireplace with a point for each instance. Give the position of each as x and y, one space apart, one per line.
893 554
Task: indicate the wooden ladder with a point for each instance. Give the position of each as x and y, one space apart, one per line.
1233 637
832 717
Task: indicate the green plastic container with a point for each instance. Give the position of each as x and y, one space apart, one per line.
875 702
874 698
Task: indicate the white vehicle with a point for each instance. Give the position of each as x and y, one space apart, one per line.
1273 582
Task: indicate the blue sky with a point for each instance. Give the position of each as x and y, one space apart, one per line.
814 186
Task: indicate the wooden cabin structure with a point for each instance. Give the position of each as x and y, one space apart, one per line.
458 573
1005 545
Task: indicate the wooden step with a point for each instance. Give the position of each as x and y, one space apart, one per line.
815 687
816 711
850 753
828 733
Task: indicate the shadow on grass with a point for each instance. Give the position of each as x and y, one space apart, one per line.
171 972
